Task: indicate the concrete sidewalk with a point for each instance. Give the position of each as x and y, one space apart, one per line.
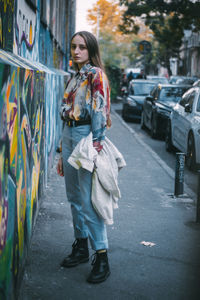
167 268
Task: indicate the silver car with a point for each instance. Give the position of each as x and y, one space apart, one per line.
183 130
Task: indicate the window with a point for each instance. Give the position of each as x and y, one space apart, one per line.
191 99
171 93
142 89
198 104
188 98
183 100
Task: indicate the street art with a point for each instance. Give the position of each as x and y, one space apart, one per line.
29 132
52 113
6 24
26 27
21 157
30 94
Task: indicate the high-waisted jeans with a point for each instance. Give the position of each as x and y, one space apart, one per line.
86 222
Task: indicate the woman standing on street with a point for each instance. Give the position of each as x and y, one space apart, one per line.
85 108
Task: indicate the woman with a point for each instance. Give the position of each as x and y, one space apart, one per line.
85 108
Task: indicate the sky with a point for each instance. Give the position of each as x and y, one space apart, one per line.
81 11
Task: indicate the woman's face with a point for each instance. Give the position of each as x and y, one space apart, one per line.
79 51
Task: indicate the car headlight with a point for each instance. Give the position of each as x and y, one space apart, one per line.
132 102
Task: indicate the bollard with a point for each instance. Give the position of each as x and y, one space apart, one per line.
179 174
198 199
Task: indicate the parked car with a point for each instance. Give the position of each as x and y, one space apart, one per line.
182 79
183 129
158 79
158 105
186 80
133 102
133 71
196 83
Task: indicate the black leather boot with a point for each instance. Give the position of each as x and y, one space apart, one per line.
80 254
101 270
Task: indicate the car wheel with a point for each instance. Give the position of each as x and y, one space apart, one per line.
153 127
168 138
191 155
142 124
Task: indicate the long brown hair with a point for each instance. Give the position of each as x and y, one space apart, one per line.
92 47
94 56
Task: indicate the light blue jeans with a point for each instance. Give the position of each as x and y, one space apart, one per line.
86 221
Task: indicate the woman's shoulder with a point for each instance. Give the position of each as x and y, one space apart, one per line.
97 73
95 70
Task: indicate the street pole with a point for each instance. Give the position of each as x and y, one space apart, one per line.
179 174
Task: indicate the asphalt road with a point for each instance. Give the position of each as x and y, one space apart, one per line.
158 145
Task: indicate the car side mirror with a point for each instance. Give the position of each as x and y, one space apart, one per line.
150 98
188 108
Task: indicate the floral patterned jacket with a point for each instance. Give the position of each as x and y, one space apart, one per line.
87 97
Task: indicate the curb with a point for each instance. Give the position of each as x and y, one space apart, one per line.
155 156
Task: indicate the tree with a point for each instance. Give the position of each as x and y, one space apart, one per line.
118 50
109 14
186 11
115 45
166 19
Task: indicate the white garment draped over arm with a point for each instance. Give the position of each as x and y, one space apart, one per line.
105 166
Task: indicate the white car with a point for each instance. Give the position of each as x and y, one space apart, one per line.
183 130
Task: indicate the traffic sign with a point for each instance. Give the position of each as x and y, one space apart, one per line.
144 47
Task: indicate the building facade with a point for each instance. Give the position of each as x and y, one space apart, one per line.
34 45
190 54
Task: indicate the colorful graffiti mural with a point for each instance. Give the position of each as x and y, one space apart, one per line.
26 31
31 90
29 133
21 157
30 129
6 24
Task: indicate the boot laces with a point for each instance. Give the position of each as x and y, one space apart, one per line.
75 244
94 258
74 247
95 262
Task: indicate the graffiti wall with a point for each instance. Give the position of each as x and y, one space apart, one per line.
22 164
26 31
6 24
30 129
38 34
53 124
32 46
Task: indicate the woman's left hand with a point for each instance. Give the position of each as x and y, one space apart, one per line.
97 146
60 170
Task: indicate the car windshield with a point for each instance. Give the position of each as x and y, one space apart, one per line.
172 93
141 88
158 79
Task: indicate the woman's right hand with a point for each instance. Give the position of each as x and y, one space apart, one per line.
60 167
